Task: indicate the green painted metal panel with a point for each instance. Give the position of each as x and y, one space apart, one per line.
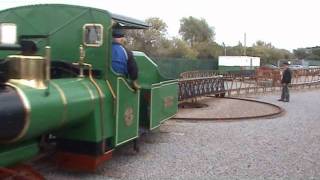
148 70
127 115
164 102
15 153
159 99
65 30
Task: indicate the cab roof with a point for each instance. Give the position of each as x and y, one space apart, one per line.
129 23
123 22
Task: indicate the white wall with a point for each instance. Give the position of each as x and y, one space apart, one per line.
239 61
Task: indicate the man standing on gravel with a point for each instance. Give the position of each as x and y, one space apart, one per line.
285 81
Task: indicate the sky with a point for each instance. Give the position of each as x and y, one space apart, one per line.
287 24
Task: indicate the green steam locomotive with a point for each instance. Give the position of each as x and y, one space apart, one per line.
66 93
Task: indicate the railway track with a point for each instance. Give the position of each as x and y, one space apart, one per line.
274 111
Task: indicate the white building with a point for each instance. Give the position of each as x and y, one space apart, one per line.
238 62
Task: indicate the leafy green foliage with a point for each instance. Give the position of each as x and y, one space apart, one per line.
152 41
195 30
312 53
268 53
181 49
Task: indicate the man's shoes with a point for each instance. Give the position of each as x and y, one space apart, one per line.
284 100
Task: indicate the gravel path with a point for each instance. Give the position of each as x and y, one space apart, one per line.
286 147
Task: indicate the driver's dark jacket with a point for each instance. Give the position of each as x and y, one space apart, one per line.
286 76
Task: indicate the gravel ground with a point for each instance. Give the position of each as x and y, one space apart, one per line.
286 147
221 108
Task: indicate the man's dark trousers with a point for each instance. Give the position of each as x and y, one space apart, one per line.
285 92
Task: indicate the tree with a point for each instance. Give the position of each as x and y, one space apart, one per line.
195 30
180 49
315 53
300 53
198 42
312 53
157 25
260 43
268 53
236 50
208 50
152 41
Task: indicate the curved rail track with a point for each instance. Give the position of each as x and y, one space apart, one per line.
277 112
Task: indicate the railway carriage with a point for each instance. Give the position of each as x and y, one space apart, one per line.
66 92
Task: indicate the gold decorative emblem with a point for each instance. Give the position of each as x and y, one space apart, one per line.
168 101
128 116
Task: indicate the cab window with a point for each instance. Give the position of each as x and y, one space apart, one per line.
93 35
8 33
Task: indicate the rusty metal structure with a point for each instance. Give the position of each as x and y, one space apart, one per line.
194 84
195 87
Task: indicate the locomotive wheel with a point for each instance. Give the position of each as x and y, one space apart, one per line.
217 95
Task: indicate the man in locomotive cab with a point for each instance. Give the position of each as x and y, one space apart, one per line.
122 59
